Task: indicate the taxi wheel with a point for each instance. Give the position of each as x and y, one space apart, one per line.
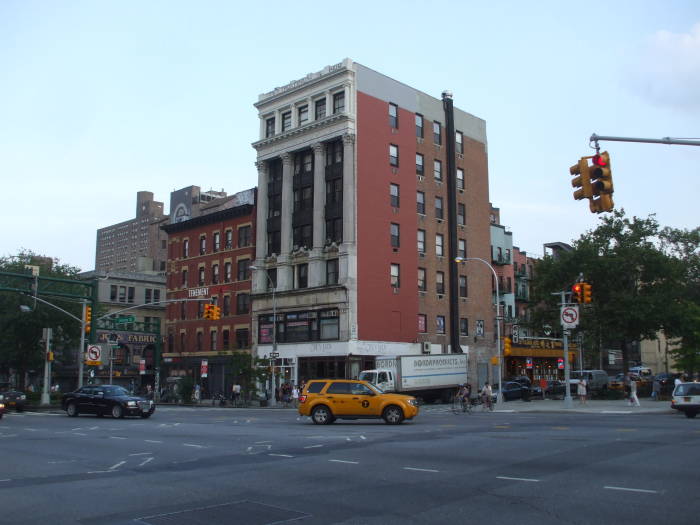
321 415
393 415
690 413
117 412
72 410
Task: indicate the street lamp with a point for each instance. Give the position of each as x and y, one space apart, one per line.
274 333
499 399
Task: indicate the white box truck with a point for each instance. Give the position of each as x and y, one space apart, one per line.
429 377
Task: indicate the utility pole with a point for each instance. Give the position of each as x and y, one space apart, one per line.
45 392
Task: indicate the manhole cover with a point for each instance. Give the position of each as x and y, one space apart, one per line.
248 512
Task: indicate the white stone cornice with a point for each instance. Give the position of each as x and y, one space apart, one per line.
349 138
324 122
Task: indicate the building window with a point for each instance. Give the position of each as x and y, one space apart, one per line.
225 339
270 127
437 133
461 248
421 241
272 274
393 155
421 279
147 298
463 286
439 214
215 274
113 291
184 277
229 239
199 341
332 271
460 179
394 195
302 275
422 323
185 248
217 241
339 103
303 115
320 109
227 272
393 115
243 269
463 327
201 276
439 251
459 142
200 309
183 310
437 170
202 244
419 164
395 275
440 324
227 305
334 230
242 338
132 292
419 125
273 242
242 303
420 202
329 325
460 214
440 282
212 340
244 238
286 121
302 236
395 235
508 255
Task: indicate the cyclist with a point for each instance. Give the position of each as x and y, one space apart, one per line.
463 394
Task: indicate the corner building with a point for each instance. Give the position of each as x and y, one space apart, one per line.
352 233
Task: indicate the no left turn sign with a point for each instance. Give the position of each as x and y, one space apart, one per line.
94 355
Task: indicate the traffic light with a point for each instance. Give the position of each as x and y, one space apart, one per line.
49 356
586 293
583 181
88 319
215 312
577 293
506 346
601 183
207 311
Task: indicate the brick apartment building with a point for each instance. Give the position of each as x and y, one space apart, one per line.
209 259
353 225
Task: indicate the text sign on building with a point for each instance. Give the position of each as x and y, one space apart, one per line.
204 369
528 363
198 292
142 367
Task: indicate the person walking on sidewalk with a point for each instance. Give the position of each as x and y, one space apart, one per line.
634 400
581 391
486 396
656 389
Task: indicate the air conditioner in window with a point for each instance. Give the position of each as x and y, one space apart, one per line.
421 254
420 178
425 347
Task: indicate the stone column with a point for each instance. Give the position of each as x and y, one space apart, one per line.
284 270
261 227
349 188
317 276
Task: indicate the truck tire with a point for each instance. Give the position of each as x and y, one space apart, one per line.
393 415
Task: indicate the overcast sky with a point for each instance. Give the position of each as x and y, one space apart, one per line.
101 99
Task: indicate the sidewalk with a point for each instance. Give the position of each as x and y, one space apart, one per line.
619 406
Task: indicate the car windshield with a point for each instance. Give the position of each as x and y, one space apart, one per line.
115 391
687 389
376 388
370 377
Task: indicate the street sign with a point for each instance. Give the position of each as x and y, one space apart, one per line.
125 319
204 369
516 333
569 316
142 367
93 355
274 355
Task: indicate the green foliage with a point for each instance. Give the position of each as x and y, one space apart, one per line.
185 389
636 283
21 332
248 372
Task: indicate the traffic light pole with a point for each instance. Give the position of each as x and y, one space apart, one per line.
81 351
666 140
568 402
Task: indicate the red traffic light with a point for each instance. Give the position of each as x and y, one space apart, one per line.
576 288
599 160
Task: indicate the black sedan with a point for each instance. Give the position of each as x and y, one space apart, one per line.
511 390
106 399
12 398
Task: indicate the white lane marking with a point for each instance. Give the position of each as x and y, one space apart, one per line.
117 465
517 479
62 461
261 442
249 449
31 429
343 461
645 491
192 445
8 479
281 455
363 437
8 435
99 471
116 437
313 446
421 469
94 428
142 454
79 428
348 439
79 434
615 411
152 441
145 461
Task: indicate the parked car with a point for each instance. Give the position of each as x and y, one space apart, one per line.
2 409
686 399
511 390
106 399
326 400
12 398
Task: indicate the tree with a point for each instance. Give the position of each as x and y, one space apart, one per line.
249 371
633 281
21 350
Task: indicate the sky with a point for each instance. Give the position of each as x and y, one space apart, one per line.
99 100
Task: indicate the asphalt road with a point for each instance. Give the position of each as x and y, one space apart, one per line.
261 466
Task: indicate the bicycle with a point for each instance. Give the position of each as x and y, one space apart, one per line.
460 406
479 402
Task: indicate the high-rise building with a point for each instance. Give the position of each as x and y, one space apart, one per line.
354 218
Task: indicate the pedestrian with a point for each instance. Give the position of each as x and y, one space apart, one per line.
236 393
634 400
197 394
543 387
656 389
678 381
582 391
295 396
486 395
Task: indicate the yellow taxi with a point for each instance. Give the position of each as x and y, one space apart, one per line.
326 400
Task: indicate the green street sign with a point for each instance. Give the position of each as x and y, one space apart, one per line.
126 319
